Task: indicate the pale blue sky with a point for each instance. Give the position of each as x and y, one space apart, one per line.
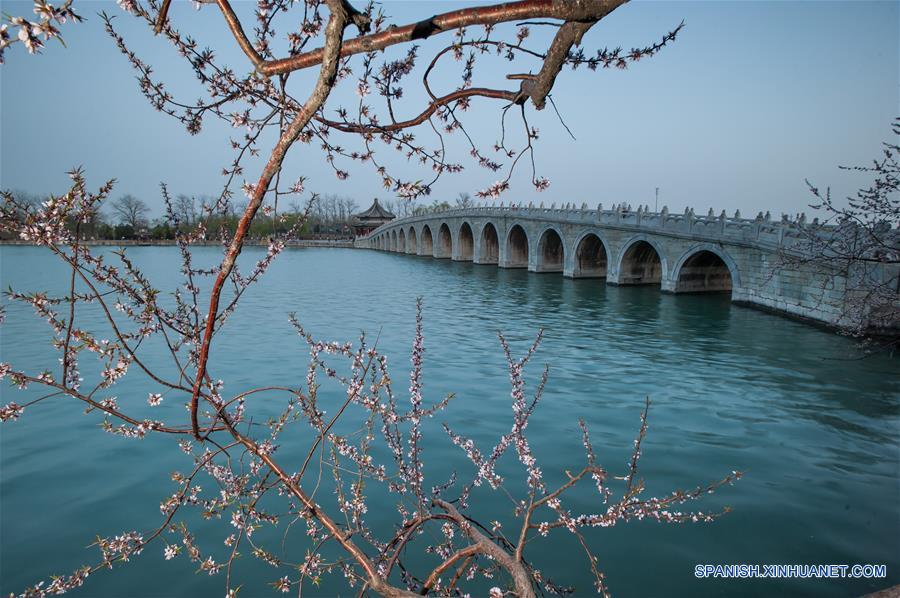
751 99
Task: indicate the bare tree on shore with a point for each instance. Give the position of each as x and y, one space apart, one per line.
130 211
185 209
464 200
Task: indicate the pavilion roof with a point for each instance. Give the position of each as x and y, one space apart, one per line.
376 211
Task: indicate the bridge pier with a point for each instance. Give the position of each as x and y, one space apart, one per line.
569 265
511 265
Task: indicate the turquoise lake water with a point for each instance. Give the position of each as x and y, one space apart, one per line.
814 426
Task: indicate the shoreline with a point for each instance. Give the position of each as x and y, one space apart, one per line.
343 243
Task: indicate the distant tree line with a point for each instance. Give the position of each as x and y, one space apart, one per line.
128 217
406 207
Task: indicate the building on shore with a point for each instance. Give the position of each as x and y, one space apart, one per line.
365 222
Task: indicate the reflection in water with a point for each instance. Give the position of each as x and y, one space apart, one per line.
815 429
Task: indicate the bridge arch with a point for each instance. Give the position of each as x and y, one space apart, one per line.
427 241
465 243
411 244
444 246
591 256
393 234
516 247
551 251
489 248
401 241
705 268
641 261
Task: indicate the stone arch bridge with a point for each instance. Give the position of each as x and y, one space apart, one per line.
681 253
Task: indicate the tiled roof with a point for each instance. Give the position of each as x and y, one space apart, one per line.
375 212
